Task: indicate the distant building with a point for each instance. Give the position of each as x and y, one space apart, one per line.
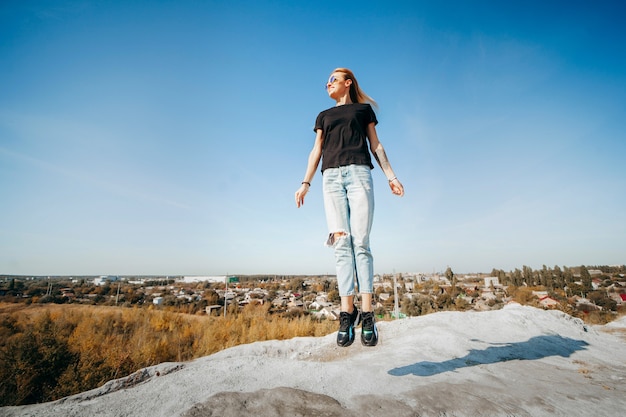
319 305
326 313
105 279
197 278
210 309
489 281
548 302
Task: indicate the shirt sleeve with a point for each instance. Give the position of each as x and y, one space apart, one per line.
371 116
318 123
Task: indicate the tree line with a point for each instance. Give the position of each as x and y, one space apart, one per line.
574 280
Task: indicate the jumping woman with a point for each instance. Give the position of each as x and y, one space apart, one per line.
343 134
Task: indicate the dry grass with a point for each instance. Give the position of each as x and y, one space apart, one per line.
53 351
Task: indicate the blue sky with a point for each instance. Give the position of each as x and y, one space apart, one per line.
169 137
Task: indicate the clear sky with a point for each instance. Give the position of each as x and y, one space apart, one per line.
169 137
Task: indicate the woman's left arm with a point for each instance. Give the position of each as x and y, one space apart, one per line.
381 157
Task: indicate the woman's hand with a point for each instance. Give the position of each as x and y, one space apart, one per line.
396 187
304 188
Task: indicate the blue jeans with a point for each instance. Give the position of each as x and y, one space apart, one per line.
349 205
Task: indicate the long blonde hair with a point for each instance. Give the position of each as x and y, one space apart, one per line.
356 94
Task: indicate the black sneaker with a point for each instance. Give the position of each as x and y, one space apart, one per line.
347 323
369 332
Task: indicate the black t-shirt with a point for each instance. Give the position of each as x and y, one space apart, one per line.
345 135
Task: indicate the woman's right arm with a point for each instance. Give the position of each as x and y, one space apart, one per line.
314 161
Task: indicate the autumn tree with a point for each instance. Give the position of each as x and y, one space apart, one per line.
546 277
527 274
449 274
600 298
585 278
517 278
558 277
568 276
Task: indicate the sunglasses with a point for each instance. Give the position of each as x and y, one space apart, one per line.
332 80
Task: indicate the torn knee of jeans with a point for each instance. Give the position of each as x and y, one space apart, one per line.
333 237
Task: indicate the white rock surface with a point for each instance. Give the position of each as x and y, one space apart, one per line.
518 361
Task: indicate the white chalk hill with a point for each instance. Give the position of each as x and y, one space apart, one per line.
518 361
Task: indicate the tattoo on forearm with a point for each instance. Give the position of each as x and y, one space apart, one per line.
381 157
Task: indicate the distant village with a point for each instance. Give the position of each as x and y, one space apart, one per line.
396 295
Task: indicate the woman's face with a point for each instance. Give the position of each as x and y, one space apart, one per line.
337 86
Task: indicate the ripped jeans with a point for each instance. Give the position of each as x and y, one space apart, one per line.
349 205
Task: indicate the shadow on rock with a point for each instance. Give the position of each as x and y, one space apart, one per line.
536 348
